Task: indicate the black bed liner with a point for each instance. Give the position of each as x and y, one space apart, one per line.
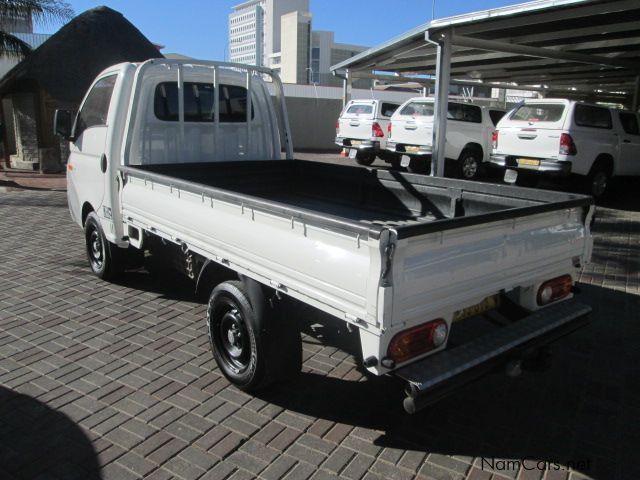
360 200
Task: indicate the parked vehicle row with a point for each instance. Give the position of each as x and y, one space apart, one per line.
182 161
557 137
549 137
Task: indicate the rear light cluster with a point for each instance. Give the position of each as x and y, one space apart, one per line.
418 340
554 289
494 139
337 126
376 130
567 145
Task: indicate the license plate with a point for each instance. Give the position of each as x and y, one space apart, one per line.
405 160
510 176
356 142
352 153
529 162
411 149
485 305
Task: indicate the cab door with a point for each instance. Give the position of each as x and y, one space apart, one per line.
87 163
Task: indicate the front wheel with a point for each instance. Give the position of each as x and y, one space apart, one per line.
105 259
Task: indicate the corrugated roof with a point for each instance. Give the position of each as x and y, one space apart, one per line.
607 31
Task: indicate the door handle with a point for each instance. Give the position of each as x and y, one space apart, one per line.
103 163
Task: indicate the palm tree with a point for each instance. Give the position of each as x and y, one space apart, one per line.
42 11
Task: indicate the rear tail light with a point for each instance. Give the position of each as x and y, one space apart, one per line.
494 139
389 130
418 340
337 126
376 130
567 146
554 289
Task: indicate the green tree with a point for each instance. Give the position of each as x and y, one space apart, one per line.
40 11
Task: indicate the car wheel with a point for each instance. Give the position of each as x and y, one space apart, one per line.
251 347
469 165
105 259
419 165
365 159
598 182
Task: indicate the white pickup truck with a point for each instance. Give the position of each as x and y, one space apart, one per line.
558 137
469 132
442 278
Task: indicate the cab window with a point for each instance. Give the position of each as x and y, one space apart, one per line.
96 107
629 123
199 102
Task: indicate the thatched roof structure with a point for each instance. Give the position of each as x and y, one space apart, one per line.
66 64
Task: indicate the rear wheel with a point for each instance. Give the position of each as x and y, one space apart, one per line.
105 259
365 159
527 180
419 165
598 182
251 346
469 165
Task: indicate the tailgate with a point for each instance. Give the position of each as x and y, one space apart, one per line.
412 131
532 130
441 272
356 120
355 127
534 142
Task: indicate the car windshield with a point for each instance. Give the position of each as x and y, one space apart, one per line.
538 112
418 109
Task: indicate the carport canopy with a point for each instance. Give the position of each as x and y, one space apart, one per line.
585 49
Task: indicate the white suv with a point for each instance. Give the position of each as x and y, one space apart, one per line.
361 129
469 131
564 137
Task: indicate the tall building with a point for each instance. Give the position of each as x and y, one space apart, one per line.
326 52
255 30
294 52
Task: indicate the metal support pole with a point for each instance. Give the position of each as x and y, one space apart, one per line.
441 101
636 94
347 87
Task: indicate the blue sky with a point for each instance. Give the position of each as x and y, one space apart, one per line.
198 28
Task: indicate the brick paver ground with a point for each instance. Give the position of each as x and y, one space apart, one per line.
116 381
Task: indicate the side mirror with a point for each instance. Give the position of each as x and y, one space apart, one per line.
62 124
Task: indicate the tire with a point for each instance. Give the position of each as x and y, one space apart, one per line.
251 347
419 165
470 165
527 180
106 260
598 181
365 159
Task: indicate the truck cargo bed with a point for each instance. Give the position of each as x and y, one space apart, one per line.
360 198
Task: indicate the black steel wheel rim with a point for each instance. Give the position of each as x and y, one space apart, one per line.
95 247
233 339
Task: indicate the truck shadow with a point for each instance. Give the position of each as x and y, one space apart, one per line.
581 413
39 442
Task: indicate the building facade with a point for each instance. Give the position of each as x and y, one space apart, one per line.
255 30
326 52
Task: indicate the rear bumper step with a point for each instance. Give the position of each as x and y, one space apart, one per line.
434 377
